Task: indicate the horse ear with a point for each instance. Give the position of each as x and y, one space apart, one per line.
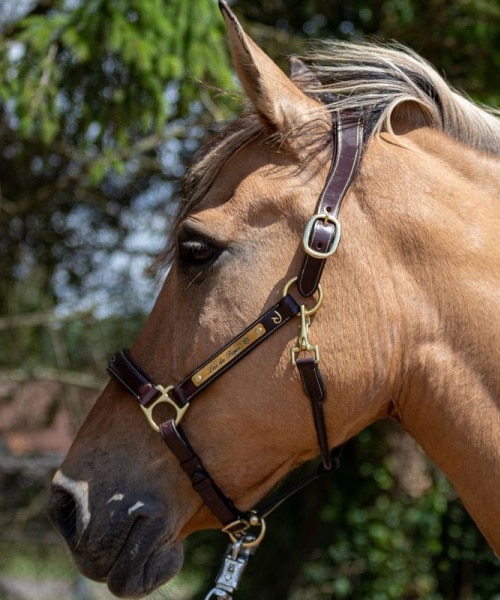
408 115
302 75
278 101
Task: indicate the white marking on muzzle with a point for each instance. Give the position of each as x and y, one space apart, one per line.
135 507
80 492
116 498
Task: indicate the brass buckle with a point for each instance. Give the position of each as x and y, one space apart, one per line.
164 399
307 235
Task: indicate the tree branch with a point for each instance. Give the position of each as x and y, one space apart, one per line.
75 378
45 318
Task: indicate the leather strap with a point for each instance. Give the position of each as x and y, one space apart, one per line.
235 350
315 390
132 377
272 504
348 133
123 368
233 520
201 481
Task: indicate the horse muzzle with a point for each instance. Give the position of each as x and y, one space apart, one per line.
125 542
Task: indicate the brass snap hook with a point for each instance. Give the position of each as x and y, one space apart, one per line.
303 344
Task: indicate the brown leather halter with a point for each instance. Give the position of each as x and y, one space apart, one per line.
320 240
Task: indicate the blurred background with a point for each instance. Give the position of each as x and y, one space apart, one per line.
102 104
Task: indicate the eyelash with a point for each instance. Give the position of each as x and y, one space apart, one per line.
197 252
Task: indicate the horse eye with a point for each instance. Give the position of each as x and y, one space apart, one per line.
197 252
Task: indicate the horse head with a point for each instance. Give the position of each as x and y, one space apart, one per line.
121 499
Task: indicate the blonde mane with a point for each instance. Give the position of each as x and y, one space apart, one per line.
374 80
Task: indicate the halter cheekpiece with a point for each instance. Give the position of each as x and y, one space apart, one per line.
320 240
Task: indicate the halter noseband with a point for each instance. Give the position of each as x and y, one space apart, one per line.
320 240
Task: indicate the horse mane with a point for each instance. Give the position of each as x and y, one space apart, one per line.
374 80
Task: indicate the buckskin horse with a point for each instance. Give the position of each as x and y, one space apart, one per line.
276 337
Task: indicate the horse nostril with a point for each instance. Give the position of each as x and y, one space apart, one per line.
62 513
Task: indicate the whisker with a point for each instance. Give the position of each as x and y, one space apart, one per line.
192 281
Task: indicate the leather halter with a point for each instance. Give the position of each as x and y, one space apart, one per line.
320 240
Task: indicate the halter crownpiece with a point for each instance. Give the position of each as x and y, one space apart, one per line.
320 240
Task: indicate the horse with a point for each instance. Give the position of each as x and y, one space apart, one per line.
293 325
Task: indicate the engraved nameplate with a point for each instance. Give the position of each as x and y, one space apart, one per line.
229 354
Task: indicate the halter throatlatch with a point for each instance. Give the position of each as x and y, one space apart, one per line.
320 240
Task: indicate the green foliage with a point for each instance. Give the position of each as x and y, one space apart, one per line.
89 93
102 68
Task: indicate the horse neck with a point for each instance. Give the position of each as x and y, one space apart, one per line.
440 216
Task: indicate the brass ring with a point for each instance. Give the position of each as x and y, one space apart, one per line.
252 542
307 311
